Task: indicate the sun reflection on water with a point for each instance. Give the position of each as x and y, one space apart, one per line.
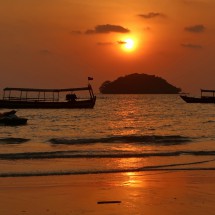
132 180
127 119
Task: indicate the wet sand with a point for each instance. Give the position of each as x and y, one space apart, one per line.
160 192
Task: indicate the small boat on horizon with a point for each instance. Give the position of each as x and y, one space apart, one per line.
26 98
207 96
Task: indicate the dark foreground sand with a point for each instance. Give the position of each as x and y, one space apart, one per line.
163 193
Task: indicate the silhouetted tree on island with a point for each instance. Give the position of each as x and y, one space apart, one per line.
138 84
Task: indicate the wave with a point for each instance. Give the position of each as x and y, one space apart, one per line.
13 140
168 167
98 154
209 121
142 139
156 139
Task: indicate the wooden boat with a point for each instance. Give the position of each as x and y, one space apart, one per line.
47 98
207 96
10 118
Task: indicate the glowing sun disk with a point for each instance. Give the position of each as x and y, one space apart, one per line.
129 44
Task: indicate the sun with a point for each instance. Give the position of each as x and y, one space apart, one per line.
128 44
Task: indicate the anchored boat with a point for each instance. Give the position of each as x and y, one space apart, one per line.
47 98
207 96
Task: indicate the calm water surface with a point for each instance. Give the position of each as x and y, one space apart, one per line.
122 133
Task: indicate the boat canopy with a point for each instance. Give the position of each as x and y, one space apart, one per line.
14 97
26 93
46 90
209 91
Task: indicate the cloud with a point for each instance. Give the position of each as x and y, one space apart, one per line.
44 52
147 29
121 42
195 28
105 43
151 15
192 46
75 32
193 2
103 29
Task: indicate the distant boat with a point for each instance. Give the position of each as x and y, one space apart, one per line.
207 96
10 118
46 98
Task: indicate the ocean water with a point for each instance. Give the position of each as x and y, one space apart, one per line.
123 133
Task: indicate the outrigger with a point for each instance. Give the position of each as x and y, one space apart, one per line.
26 98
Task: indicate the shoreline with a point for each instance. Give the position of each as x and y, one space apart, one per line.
155 192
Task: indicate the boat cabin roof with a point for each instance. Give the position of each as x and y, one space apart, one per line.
210 91
46 90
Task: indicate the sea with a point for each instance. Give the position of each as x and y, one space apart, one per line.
122 133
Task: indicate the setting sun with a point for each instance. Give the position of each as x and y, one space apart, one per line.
129 44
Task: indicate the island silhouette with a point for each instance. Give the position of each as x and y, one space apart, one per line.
138 84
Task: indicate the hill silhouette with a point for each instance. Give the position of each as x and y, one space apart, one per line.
138 84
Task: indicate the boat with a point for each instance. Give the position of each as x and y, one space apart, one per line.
207 96
26 98
10 118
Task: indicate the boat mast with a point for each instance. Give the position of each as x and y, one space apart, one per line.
4 95
20 95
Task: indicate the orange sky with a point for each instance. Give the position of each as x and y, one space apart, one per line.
60 43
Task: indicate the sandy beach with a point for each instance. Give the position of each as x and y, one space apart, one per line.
160 192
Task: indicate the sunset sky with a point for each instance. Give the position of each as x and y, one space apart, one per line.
59 43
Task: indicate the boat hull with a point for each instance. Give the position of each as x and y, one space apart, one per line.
47 105
189 99
13 121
